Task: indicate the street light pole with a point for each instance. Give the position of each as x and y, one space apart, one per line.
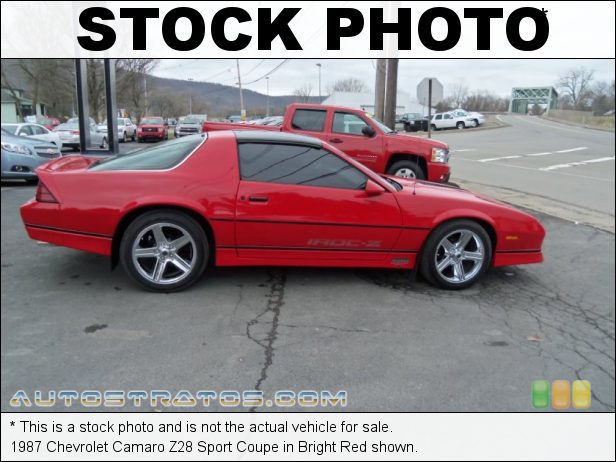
239 82
319 66
267 98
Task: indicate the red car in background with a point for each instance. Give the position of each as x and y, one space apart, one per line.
151 128
48 122
260 198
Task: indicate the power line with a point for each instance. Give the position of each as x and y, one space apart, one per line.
269 73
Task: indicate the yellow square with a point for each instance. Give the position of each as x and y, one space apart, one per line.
581 394
561 394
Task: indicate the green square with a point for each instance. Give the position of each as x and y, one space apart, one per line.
540 394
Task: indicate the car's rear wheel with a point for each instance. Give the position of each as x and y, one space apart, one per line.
164 250
456 254
104 144
460 125
409 169
124 138
433 127
475 123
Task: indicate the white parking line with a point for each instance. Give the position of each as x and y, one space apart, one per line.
491 159
571 150
537 154
577 164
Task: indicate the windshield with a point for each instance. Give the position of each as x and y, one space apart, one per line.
380 124
12 129
189 120
152 121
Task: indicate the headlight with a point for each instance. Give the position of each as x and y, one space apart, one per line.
440 155
18 148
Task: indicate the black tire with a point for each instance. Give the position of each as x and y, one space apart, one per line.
139 140
76 149
134 137
407 164
124 138
433 127
427 263
476 122
460 125
407 128
198 257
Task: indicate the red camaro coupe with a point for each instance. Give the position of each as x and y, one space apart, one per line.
264 198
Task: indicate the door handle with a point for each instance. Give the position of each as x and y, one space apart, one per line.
335 140
258 198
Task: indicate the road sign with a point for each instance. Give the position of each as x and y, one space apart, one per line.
437 91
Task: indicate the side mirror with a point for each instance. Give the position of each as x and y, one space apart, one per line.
368 131
373 189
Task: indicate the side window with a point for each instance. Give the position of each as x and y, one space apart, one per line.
438 117
309 119
298 165
350 124
38 130
26 130
448 116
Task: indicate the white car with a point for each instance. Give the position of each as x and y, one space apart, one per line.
35 131
450 120
126 129
477 118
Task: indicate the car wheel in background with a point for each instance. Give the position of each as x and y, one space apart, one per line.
460 125
456 254
475 123
134 136
164 250
104 144
433 127
407 169
125 138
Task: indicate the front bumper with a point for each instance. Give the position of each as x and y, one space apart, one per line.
20 166
151 135
438 172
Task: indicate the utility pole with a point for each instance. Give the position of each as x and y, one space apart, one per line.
267 98
319 66
239 82
389 116
379 86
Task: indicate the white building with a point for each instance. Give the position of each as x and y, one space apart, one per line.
365 102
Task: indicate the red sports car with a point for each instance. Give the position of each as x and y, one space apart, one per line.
267 198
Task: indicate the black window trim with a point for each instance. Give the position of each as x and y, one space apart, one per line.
298 144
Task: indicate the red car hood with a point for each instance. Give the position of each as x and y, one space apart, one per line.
403 140
151 126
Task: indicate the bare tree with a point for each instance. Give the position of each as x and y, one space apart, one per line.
350 85
576 84
458 95
130 82
303 93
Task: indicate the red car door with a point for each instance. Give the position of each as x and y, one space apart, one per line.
299 202
347 135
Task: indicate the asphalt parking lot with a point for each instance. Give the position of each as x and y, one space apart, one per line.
394 344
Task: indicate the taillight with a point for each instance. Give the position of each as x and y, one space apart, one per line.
74 132
44 195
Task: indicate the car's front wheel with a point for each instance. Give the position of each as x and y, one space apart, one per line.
456 254
164 250
460 125
409 169
124 138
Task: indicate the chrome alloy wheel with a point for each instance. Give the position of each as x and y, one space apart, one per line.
405 173
459 256
164 253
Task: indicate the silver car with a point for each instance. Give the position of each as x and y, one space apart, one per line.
69 135
21 156
189 125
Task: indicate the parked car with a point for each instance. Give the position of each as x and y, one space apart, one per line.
254 198
22 155
362 137
477 118
151 128
442 120
413 122
69 134
126 129
188 125
233 118
35 131
48 122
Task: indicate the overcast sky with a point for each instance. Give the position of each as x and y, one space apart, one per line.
495 75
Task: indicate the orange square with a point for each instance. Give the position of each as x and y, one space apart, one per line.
581 394
561 394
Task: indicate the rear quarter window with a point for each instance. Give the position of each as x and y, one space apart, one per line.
159 157
309 119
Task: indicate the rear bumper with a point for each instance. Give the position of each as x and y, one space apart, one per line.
438 172
80 241
517 258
